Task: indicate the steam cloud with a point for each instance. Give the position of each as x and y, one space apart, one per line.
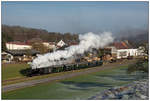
87 42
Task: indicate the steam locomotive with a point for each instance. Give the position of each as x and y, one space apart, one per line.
65 67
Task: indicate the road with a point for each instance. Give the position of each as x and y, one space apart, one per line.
65 76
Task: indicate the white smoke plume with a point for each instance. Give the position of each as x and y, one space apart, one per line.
87 41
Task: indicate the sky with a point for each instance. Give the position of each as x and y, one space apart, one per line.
76 17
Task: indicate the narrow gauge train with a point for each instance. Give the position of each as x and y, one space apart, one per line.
66 67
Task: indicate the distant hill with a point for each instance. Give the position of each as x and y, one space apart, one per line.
18 33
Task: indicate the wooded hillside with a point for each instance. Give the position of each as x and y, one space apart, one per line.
18 33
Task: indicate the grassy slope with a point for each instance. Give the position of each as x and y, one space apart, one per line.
13 70
80 87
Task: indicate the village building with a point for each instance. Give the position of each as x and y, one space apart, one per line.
60 43
6 57
18 51
125 53
19 55
22 51
123 50
18 45
27 45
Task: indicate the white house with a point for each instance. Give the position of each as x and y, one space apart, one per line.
123 49
60 43
17 46
124 53
6 57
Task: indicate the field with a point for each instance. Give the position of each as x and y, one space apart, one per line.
80 87
10 71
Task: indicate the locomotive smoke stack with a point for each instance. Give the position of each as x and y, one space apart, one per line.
87 41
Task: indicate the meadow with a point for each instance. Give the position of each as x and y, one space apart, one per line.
10 71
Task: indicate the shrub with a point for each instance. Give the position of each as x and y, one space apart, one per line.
140 65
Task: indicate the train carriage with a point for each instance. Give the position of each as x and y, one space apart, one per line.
64 67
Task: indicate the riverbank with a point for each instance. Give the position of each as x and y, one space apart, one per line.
137 90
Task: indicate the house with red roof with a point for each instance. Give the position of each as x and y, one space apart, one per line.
18 45
122 50
26 45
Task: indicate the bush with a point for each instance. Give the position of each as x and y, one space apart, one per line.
140 65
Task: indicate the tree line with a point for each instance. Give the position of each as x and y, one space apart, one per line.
18 33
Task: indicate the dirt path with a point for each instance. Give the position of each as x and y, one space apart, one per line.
72 74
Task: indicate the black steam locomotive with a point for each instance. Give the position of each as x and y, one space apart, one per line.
63 68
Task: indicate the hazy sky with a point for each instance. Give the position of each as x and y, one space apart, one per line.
77 17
